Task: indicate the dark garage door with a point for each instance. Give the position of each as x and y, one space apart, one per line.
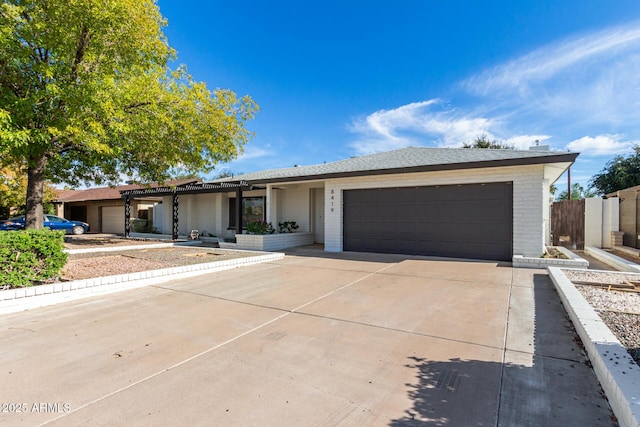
461 221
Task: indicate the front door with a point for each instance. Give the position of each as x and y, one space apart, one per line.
318 215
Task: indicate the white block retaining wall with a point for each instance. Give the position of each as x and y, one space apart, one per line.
272 242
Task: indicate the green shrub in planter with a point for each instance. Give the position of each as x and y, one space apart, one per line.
260 227
287 227
30 256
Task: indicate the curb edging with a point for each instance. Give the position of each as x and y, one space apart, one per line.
19 299
617 372
613 260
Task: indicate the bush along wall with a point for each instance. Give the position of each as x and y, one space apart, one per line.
30 257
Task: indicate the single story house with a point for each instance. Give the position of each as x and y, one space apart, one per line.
103 208
451 202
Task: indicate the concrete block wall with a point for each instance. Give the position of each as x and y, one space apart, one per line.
601 219
629 217
593 222
610 220
528 200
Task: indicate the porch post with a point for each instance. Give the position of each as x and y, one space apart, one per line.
175 216
127 217
238 209
268 203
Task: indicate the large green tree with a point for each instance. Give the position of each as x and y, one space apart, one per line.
87 93
483 141
619 173
578 192
13 192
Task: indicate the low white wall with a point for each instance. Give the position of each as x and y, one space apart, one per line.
601 217
593 223
614 261
271 242
572 261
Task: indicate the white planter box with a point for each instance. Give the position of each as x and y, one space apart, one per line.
211 239
272 242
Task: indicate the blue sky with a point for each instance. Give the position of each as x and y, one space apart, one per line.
336 79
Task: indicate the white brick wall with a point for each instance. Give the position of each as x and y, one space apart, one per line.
272 242
296 206
528 193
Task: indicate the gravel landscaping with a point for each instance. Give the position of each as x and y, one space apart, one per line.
98 264
619 310
103 240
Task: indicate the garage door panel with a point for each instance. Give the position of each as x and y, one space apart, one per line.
494 231
426 247
470 221
112 219
406 246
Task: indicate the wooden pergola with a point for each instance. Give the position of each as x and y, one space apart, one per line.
176 191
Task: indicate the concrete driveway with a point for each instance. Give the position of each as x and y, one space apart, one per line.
351 339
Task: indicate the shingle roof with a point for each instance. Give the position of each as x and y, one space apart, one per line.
110 193
64 194
411 159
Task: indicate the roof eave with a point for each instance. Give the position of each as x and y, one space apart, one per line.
554 158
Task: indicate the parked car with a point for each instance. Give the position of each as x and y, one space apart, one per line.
50 221
11 224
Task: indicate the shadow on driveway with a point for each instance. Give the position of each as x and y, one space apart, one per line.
552 385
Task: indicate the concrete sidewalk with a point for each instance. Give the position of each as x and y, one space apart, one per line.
350 339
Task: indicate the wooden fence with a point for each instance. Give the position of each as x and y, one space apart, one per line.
567 224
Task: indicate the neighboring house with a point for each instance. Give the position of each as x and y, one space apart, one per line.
103 208
464 203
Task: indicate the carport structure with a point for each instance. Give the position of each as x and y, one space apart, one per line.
175 192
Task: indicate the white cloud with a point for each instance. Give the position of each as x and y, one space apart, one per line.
421 123
416 124
584 85
559 58
254 152
601 145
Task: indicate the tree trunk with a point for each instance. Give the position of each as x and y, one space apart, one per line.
34 218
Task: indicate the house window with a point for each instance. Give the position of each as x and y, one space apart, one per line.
252 210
